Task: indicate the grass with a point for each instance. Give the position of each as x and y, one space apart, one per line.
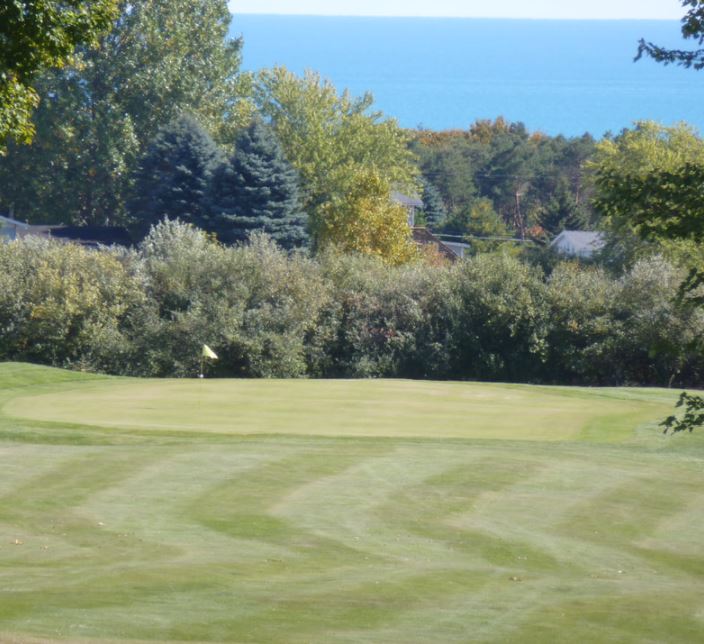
319 511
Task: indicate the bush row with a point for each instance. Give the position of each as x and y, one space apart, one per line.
267 313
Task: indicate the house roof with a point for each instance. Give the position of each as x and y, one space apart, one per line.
12 222
424 237
580 240
405 200
94 235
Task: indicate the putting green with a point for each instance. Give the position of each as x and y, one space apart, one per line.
255 511
351 408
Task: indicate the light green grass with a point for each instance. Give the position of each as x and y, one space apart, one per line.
313 511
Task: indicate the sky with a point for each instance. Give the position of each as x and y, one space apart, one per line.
563 9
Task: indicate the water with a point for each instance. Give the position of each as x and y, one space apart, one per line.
559 77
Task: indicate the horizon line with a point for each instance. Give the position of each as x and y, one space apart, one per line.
448 17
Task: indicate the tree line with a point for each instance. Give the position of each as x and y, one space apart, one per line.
153 117
270 313
150 116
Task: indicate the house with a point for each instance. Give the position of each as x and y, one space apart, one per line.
89 236
411 204
458 248
578 243
451 251
423 237
12 229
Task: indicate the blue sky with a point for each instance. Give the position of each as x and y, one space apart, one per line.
638 9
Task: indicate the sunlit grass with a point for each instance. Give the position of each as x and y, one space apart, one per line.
313 511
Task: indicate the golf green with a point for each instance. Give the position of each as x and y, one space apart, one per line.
344 511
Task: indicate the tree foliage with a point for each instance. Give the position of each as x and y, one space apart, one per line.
174 176
660 204
433 207
692 29
647 179
650 181
270 313
523 174
98 115
36 35
365 220
331 139
257 190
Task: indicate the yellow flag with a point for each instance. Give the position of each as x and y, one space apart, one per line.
209 353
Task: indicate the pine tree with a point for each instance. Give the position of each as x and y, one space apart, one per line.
258 190
433 206
174 176
562 212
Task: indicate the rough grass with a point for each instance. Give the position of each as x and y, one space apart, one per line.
308 511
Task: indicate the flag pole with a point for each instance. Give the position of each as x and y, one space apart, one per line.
206 352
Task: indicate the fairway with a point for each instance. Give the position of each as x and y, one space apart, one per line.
344 511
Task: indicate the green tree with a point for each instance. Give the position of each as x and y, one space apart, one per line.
174 176
522 173
64 305
35 36
479 219
638 161
650 181
331 138
98 116
254 304
561 212
258 190
433 206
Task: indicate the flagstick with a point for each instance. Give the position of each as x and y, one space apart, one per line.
202 364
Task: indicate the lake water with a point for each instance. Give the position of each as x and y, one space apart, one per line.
560 77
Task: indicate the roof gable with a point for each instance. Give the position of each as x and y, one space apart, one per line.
580 240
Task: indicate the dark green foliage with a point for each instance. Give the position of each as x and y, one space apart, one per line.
382 322
257 190
174 176
254 304
692 29
680 190
561 212
433 206
499 320
525 176
659 204
693 416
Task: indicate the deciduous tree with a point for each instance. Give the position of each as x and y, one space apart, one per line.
332 139
364 220
36 35
650 180
98 116
692 29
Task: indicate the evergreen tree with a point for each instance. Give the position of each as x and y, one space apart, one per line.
258 190
433 206
174 176
561 212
